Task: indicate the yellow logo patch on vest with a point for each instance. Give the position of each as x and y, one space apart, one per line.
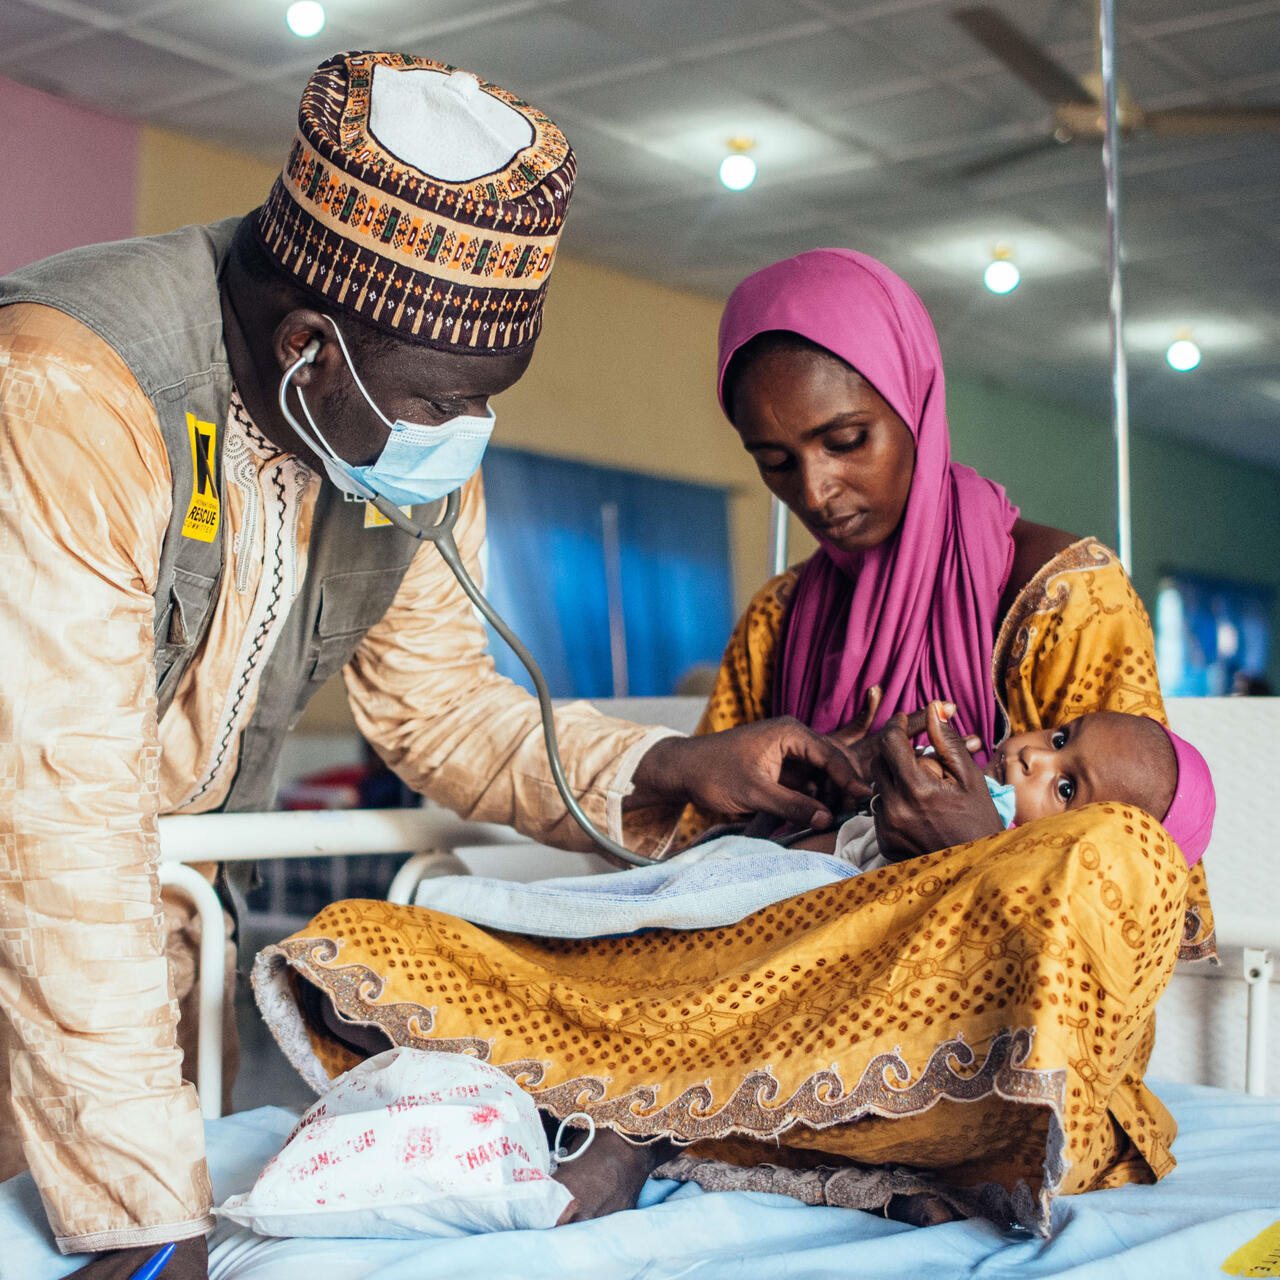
203 513
374 519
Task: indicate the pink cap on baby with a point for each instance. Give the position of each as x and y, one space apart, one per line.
1190 817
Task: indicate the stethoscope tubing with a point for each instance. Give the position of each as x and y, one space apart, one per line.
441 533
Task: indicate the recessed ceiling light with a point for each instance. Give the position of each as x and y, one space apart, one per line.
1001 276
737 169
305 18
1183 355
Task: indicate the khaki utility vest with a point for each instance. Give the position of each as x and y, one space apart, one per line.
156 302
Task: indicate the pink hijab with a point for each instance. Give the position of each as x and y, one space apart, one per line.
916 614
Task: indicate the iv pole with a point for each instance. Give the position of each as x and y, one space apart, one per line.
777 537
1119 367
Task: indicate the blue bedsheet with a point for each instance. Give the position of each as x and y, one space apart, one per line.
1225 1192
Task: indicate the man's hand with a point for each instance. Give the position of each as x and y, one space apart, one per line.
919 809
190 1261
771 766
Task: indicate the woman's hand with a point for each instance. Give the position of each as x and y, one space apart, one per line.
190 1261
771 766
862 749
920 808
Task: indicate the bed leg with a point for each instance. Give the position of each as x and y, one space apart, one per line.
213 942
1258 968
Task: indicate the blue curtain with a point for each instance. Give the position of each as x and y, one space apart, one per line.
1208 631
547 574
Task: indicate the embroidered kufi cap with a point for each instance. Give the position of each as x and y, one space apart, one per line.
422 199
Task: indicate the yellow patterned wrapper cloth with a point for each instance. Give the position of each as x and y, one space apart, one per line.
984 1013
1076 640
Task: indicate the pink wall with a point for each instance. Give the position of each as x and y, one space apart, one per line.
68 175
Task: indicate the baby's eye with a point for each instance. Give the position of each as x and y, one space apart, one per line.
1059 741
1066 790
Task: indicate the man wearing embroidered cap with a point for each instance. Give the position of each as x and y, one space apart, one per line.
180 577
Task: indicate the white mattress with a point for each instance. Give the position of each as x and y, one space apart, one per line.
1224 1193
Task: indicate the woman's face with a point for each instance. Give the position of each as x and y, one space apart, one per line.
827 444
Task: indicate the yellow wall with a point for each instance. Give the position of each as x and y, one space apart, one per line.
181 181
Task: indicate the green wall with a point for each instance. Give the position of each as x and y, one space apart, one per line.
1192 509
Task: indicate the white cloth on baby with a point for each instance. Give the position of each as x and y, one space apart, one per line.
710 885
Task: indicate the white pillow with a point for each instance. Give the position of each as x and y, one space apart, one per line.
409 1143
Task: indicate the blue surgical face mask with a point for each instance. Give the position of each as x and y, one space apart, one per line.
417 464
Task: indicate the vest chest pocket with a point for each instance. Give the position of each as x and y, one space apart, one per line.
179 628
350 603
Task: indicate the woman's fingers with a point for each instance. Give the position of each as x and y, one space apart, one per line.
951 749
897 757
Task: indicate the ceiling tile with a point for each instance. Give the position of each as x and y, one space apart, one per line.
21 24
525 52
803 73
259 121
1233 49
130 8
687 117
387 24
930 37
118 73
668 27
246 33
893 124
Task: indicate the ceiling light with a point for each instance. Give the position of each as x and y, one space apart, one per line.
1183 354
737 169
1001 276
305 18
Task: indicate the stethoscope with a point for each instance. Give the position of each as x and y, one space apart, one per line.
441 534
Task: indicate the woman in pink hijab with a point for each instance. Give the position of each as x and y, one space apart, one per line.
829 369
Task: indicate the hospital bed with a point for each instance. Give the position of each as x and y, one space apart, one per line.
1211 1066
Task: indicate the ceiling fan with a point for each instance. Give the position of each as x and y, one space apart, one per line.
1077 102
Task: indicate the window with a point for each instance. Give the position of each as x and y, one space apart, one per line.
1208 632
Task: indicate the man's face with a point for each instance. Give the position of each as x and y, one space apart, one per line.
1103 756
407 382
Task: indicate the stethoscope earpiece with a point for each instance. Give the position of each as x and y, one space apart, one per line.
310 351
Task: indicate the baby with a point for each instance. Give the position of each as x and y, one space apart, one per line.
1102 756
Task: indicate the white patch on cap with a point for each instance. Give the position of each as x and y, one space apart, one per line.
443 124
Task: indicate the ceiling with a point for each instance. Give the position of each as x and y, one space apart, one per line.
862 112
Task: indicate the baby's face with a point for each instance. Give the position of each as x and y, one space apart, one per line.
1102 756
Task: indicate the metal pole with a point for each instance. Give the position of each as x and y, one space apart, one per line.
612 547
777 537
1119 369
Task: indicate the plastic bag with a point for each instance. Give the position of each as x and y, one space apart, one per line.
409 1143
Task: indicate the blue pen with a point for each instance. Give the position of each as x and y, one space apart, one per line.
155 1264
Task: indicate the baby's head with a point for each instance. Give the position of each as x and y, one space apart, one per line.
1110 756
